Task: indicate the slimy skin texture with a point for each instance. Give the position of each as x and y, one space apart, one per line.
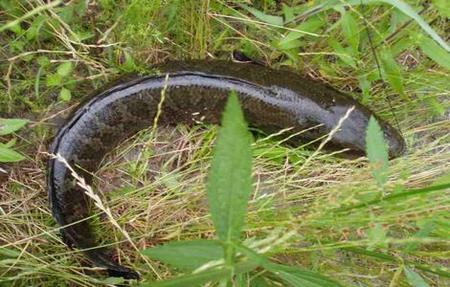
272 100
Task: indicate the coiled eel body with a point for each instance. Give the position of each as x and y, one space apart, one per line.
271 100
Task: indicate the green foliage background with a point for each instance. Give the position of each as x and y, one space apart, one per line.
328 211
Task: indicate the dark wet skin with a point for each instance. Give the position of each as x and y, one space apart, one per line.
195 91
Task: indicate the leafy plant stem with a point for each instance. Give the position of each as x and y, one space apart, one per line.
229 255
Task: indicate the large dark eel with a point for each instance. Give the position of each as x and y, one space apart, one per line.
271 100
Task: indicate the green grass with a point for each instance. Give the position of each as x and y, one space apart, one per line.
54 56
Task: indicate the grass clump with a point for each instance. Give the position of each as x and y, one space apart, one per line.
328 212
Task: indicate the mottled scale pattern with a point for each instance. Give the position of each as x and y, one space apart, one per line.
196 91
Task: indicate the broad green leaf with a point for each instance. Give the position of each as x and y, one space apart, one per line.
309 26
16 28
43 61
229 179
81 35
288 45
288 12
402 44
210 275
8 126
342 53
70 12
391 71
364 85
53 80
65 95
196 279
9 155
252 255
397 18
414 279
350 28
377 151
128 65
36 25
64 69
9 144
435 52
270 19
186 255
